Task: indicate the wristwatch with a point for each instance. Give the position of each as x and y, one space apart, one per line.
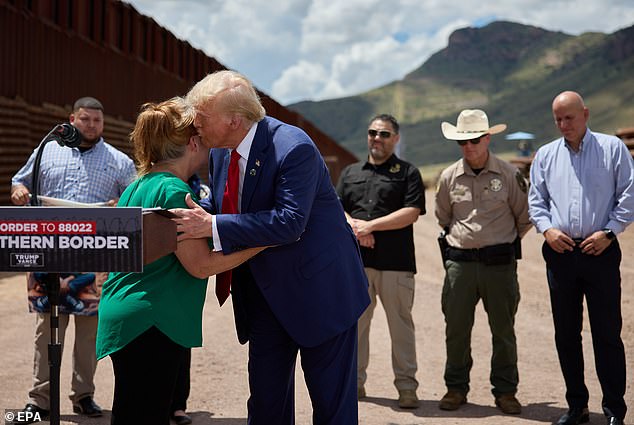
609 233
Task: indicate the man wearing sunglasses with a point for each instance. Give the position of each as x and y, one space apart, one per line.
482 205
382 198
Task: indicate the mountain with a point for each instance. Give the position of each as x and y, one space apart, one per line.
511 71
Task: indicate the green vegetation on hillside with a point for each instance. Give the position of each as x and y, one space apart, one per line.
512 71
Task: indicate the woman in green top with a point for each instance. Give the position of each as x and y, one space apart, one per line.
148 320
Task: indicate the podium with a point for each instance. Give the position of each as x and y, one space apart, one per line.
60 240
159 235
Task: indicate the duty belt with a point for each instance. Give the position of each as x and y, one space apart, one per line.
490 255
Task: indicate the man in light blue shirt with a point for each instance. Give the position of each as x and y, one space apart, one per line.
581 197
93 172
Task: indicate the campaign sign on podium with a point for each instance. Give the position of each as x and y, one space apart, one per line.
59 239
73 239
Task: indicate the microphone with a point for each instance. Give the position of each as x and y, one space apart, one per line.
66 134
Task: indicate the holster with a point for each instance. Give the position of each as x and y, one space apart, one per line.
443 245
517 246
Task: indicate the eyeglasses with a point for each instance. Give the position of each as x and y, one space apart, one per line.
383 134
472 141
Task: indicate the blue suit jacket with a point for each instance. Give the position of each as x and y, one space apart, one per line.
313 278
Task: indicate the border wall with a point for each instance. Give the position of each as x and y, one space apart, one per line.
55 51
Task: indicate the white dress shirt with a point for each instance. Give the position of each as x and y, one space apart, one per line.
244 147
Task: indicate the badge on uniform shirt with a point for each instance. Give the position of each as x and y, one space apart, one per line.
459 191
395 168
495 185
521 181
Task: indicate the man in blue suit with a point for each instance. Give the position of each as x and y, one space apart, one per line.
306 292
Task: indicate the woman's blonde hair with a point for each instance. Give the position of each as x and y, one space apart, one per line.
162 132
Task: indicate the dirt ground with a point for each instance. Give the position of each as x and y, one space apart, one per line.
219 380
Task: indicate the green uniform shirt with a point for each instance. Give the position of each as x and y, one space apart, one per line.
165 295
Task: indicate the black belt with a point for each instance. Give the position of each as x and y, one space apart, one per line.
578 241
490 255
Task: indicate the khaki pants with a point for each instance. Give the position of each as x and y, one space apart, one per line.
84 358
396 291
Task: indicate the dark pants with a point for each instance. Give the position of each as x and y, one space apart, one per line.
181 390
330 369
466 282
571 276
145 373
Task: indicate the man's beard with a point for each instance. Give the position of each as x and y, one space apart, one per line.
90 142
378 155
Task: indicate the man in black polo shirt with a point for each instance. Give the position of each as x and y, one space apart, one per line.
382 198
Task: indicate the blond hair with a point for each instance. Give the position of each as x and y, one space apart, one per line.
232 92
162 132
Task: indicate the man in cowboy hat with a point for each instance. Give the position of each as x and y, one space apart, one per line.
482 206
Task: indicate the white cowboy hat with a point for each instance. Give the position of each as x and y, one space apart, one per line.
472 123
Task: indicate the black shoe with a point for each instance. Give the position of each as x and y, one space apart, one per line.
87 406
452 400
32 413
181 419
575 416
613 420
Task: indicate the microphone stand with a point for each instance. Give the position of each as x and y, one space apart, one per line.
54 347
35 174
65 135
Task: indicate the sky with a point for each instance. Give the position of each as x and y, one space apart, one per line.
297 50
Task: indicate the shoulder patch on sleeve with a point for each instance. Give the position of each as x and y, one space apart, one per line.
521 181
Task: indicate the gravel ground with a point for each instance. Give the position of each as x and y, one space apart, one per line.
219 380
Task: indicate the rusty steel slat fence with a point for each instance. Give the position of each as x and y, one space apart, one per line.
55 51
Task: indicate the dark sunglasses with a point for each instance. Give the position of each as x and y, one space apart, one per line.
383 134
472 141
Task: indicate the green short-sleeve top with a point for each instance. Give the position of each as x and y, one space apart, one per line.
165 295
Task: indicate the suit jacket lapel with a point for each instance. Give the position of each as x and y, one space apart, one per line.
220 158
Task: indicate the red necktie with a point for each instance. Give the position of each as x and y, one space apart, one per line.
229 206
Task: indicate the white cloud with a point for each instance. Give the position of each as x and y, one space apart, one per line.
300 81
318 49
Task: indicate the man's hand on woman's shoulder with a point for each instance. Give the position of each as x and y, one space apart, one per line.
193 222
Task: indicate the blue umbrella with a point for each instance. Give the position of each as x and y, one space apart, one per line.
520 135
